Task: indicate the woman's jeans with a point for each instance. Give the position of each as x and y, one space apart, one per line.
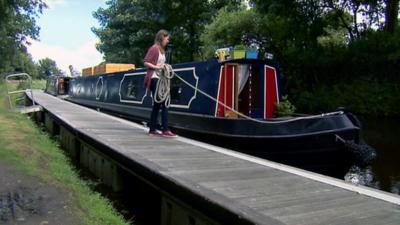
156 109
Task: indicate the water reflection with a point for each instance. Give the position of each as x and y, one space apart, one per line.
362 176
384 174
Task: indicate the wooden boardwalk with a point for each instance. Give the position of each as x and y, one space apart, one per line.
226 186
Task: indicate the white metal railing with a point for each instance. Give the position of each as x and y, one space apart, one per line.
20 77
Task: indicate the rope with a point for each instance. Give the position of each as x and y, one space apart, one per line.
164 88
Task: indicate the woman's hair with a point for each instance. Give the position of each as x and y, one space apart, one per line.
161 34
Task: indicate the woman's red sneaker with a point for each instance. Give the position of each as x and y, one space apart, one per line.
168 134
154 133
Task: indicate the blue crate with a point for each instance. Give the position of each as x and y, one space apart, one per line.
251 54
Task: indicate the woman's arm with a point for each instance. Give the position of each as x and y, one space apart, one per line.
152 66
150 60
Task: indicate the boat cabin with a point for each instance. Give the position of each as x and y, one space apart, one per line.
250 87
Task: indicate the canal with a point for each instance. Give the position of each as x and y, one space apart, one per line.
384 135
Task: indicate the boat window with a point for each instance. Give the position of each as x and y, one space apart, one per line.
181 94
132 91
176 90
244 73
131 88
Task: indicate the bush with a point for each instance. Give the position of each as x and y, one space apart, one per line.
359 96
285 108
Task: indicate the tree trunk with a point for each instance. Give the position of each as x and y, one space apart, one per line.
391 14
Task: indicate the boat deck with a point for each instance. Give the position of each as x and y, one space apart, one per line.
226 186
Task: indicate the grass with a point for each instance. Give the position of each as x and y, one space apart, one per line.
39 84
18 98
34 153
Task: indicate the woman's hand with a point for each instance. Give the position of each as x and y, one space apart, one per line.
154 67
160 66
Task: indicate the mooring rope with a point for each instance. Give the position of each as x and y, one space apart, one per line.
163 95
163 88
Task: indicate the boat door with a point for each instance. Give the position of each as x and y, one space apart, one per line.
228 91
271 95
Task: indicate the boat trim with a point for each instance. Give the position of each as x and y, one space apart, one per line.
187 106
219 87
98 95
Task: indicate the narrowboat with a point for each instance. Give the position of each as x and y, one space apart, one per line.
229 103
57 85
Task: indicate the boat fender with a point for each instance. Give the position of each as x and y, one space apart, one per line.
362 153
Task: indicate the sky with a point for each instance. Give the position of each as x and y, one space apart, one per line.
65 34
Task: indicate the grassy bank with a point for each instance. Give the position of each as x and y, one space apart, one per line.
31 151
38 84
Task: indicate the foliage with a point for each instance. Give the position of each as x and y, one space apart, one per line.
18 61
285 107
364 97
356 16
47 67
39 84
231 28
17 26
127 28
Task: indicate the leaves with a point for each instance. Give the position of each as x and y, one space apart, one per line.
127 28
47 67
17 24
285 107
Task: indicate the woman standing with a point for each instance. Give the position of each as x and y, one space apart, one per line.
155 61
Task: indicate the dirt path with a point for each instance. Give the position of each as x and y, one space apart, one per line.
27 200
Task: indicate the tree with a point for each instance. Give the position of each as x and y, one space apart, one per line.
358 16
17 24
127 28
330 51
284 28
391 15
231 28
47 67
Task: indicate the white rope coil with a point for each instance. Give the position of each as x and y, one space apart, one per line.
163 88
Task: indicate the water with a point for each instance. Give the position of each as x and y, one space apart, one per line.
384 174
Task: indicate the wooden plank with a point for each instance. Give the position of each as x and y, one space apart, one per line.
279 200
103 125
339 211
196 164
225 174
164 158
118 136
277 184
171 152
111 132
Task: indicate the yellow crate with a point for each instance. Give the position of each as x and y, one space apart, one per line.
87 71
112 67
239 54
